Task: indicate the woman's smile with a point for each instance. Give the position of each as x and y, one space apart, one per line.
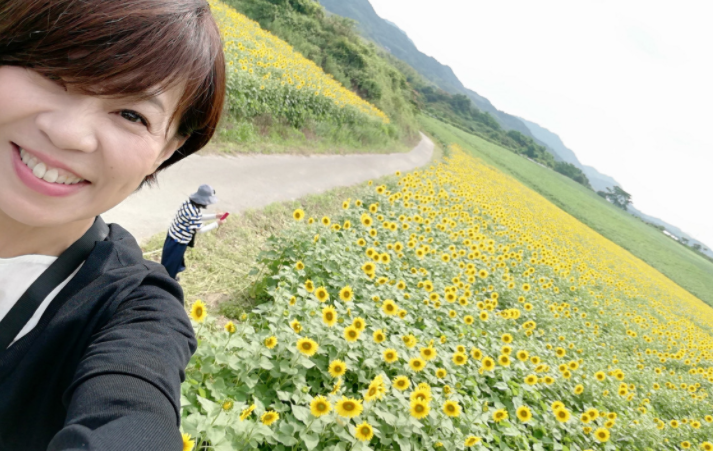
43 176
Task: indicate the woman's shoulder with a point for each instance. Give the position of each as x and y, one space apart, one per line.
119 258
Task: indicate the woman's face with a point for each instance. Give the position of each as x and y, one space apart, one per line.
66 157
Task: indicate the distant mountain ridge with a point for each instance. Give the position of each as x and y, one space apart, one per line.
388 35
396 41
599 181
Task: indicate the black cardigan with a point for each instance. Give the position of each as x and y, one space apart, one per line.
103 368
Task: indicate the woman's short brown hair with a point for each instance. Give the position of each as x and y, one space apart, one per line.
124 48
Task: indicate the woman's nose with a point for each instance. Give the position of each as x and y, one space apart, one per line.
70 126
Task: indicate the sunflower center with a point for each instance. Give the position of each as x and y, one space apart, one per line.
348 406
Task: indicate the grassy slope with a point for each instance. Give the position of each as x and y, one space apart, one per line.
680 264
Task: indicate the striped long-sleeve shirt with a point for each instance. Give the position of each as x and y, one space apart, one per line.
188 221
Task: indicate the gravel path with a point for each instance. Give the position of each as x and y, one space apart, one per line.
251 181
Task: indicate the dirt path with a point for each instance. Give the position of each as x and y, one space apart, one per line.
251 181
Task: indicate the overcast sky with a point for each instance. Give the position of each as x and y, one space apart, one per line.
627 85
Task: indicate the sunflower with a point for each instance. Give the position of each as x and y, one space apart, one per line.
296 326
460 358
389 307
351 334
246 412
409 340
198 311
379 336
271 342
390 355
417 364
602 435
364 432
578 389
421 393
401 383
309 286
326 221
321 294
307 346
562 415
298 214
471 440
299 265
506 338
337 368
522 355
487 364
441 373
523 414
500 415
504 360
419 409
269 417
188 444
468 319
359 324
600 376
230 327
451 408
319 406
346 294
476 353
369 268
348 407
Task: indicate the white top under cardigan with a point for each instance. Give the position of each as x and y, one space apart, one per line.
16 276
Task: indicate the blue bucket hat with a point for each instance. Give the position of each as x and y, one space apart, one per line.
204 196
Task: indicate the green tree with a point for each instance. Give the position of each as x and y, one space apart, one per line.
616 196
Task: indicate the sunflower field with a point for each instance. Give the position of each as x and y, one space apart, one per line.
267 76
453 309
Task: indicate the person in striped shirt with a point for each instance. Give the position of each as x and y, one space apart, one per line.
187 223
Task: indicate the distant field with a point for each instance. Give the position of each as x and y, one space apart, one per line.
681 265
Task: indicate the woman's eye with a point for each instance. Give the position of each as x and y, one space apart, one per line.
133 116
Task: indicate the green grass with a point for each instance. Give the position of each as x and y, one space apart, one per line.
266 135
678 263
222 268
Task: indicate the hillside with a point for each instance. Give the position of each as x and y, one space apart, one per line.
598 180
400 45
681 264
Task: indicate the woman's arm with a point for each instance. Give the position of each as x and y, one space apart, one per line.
207 227
126 390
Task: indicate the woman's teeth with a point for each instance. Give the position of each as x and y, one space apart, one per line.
48 174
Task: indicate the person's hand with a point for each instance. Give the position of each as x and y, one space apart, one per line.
219 214
221 221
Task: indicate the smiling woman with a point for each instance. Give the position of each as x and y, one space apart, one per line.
97 97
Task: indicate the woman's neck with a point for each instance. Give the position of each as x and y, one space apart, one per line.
17 239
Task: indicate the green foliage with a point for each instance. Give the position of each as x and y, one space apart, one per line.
679 263
617 197
333 44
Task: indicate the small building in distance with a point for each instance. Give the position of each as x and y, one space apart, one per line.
670 235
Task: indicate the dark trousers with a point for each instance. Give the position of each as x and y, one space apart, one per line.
172 257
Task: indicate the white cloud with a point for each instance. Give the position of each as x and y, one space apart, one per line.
625 84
